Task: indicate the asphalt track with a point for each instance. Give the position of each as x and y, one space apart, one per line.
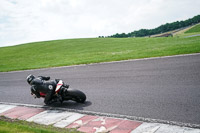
159 88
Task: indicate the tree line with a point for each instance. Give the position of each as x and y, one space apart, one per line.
161 29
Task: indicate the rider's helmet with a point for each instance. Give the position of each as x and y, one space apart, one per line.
30 78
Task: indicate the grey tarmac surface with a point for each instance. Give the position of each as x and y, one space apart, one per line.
159 88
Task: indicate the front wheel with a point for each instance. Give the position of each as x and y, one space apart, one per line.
75 95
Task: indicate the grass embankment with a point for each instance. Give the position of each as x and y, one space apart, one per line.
194 29
94 50
17 126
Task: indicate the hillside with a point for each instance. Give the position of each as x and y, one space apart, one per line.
189 31
194 29
93 50
161 29
180 32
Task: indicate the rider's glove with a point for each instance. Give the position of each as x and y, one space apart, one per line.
65 85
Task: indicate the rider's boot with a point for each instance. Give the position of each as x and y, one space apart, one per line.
59 98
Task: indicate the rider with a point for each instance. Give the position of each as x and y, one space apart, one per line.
42 85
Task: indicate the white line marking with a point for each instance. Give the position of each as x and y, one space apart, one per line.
68 120
4 108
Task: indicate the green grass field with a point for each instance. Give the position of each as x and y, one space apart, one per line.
17 126
194 29
92 50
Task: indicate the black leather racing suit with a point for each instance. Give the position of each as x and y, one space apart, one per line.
42 84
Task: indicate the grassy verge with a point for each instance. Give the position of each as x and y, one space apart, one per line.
194 29
17 126
93 50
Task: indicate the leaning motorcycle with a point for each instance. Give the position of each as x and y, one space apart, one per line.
66 93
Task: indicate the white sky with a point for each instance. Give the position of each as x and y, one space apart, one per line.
23 21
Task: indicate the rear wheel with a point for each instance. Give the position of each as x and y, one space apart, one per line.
76 95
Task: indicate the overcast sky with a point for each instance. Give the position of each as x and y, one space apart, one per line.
23 21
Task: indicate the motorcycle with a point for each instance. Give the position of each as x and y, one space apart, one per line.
66 93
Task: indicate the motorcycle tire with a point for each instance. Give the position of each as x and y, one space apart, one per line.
76 95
